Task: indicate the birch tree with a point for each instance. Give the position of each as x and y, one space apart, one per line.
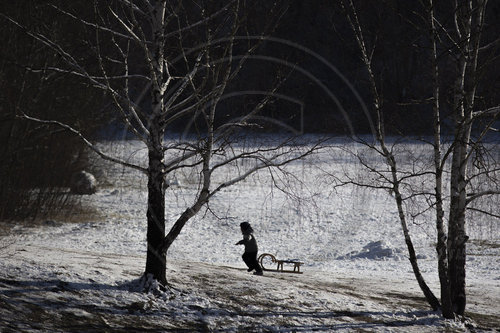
165 63
455 57
461 45
391 176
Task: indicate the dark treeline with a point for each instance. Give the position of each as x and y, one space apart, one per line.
398 33
310 95
38 160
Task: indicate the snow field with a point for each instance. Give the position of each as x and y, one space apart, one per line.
69 276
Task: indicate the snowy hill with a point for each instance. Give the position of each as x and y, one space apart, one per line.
55 290
61 276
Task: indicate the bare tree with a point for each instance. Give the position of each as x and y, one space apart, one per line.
185 55
391 177
454 160
461 46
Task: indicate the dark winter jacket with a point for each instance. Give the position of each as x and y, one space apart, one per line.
249 242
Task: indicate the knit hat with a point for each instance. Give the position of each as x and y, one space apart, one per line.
246 228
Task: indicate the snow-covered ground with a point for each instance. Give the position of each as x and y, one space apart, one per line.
82 276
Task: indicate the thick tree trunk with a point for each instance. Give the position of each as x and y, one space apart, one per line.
442 252
470 15
464 97
156 263
441 245
458 194
446 303
457 237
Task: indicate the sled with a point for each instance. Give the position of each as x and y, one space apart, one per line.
296 264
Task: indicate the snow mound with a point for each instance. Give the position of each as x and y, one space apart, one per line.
377 250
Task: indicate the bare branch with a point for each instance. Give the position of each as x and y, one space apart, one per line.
129 113
266 163
490 45
126 27
474 196
89 24
200 22
484 212
493 111
86 141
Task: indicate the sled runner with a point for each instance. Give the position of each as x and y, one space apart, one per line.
296 264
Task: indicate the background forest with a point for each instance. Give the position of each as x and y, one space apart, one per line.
41 156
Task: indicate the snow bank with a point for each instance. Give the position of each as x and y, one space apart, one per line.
378 250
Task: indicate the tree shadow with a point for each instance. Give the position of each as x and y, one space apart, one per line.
57 285
41 299
286 321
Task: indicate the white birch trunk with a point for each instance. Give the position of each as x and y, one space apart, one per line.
389 157
156 259
441 248
470 18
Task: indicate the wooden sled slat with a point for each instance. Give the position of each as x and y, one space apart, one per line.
279 268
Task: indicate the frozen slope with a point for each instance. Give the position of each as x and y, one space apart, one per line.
60 276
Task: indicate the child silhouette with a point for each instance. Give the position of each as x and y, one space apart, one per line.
251 249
